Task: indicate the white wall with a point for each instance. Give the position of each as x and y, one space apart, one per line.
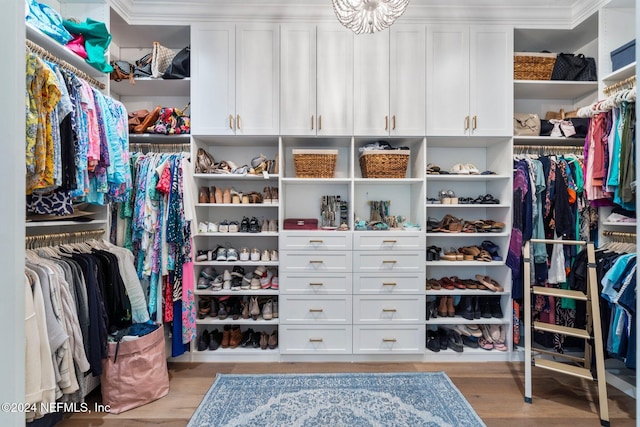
12 87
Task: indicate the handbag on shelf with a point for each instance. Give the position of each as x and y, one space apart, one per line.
525 124
161 58
122 70
143 66
180 66
136 117
561 115
568 128
574 68
172 121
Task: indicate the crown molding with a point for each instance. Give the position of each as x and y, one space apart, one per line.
541 15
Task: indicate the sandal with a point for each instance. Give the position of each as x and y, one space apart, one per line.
489 283
433 169
435 285
483 256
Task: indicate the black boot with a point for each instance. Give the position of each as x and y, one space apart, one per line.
496 309
485 307
467 307
476 307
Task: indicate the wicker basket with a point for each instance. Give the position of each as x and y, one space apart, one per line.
533 66
315 163
384 163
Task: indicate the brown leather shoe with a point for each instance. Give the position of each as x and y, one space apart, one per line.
226 195
212 194
226 336
264 340
273 340
218 195
236 337
451 310
148 121
203 196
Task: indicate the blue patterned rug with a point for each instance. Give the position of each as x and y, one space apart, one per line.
330 400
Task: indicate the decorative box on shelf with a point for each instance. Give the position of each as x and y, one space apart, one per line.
624 55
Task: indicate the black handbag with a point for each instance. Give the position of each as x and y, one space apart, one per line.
180 65
574 67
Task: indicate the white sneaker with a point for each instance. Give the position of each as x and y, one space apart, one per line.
212 228
265 256
203 227
244 254
255 254
274 255
226 285
226 275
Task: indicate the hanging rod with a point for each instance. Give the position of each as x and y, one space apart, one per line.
624 84
38 240
621 234
548 149
38 50
165 148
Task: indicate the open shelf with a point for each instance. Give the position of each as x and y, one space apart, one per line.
552 89
146 85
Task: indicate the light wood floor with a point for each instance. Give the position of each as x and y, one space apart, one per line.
495 390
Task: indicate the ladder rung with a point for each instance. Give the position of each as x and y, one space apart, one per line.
556 354
562 293
564 330
576 371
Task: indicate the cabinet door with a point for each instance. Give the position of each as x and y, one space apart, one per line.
407 83
298 79
334 80
213 81
491 80
447 80
371 84
257 79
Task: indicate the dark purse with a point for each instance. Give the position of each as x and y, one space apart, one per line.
574 68
180 66
143 66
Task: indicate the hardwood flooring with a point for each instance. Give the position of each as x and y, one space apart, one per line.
494 389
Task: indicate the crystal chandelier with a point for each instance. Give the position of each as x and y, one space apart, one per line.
368 16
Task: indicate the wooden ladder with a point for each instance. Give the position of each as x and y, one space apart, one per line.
592 334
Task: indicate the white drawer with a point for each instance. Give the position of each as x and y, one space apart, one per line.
399 283
315 284
318 241
315 309
390 262
408 339
319 262
304 339
388 310
384 241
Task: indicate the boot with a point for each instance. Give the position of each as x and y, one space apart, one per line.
212 195
273 340
485 307
226 196
254 308
218 195
264 340
216 337
467 307
226 336
442 307
451 309
203 195
476 307
204 341
496 309
235 337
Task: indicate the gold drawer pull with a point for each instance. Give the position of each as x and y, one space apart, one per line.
466 123
389 241
475 122
389 261
389 284
315 310
316 261
389 310
238 121
316 284
230 121
312 122
316 340
316 241
389 340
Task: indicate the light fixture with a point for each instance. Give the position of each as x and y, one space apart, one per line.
368 16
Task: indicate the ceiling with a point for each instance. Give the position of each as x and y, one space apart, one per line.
520 13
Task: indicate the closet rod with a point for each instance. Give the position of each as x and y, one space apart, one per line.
38 240
624 84
38 50
622 234
548 149
134 146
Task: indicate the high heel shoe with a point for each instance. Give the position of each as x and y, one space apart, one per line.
204 163
274 195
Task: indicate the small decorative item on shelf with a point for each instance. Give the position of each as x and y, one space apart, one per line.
533 66
300 224
333 211
314 163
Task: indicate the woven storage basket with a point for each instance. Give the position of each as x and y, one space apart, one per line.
384 163
315 163
533 66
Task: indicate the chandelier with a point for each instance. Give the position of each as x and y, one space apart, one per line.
368 16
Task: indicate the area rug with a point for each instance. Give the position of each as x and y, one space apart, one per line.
354 400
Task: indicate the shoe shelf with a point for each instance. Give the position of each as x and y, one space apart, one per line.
459 320
230 321
241 292
315 181
464 263
458 235
466 206
235 351
238 205
237 177
454 177
232 263
388 181
145 85
448 353
240 234
465 292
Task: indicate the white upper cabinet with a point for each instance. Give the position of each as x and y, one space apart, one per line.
469 80
389 86
236 79
316 80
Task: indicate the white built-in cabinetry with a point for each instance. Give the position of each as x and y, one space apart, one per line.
316 80
235 69
467 67
389 83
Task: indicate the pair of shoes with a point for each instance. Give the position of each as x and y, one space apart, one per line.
446 307
464 169
270 195
433 341
433 253
489 283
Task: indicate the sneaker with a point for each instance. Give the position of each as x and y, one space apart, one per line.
265 280
267 310
238 272
232 255
259 271
254 225
221 254
203 227
203 283
265 256
216 284
246 281
226 285
265 226
202 256
275 283
273 255
209 273
244 225
226 275
274 309
234 227
244 254
273 225
255 284
255 254
212 228
224 226
236 284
